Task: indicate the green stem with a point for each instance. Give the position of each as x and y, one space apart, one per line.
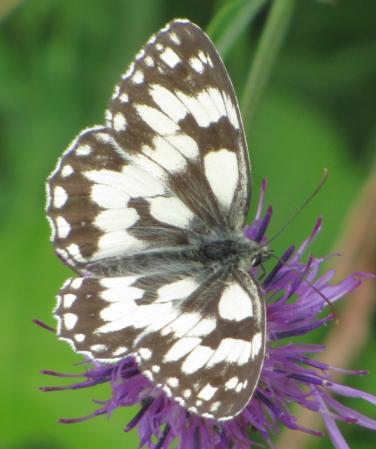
230 21
270 42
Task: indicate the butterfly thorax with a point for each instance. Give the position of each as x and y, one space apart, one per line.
233 250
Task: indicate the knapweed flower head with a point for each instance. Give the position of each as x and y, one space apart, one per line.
296 295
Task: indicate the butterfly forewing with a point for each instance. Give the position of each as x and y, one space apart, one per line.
101 205
176 106
149 210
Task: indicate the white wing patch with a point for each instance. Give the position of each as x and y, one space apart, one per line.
204 327
196 64
138 77
207 392
108 196
113 243
165 155
70 320
68 300
62 227
231 350
256 344
116 219
177 290
221 170
115 283
158 122
66 171
83 150
182 325
59 197
182 347
71 251
201 107
132 181
197 359
235 303
120 122
209 105
232 383
170 57
121 295
185 144
139 316
168 102
171 211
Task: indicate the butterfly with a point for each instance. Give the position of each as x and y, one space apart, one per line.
148 210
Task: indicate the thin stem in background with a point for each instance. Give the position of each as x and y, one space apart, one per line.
270 42
231 20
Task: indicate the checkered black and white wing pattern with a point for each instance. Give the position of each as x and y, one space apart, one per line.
102 206
202 342
176 106
173 156
130 203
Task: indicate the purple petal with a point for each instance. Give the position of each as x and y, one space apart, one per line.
350 415
350 392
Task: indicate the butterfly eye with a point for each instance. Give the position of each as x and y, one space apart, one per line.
256 260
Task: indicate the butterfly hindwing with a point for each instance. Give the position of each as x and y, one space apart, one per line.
202 340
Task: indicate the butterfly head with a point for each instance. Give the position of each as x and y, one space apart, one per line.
261 254
252 253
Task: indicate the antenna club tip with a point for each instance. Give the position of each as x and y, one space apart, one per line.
264 183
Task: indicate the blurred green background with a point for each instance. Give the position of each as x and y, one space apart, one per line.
58 63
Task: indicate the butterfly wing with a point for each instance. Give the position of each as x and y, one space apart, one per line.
202 340
171 162
176 105
102 206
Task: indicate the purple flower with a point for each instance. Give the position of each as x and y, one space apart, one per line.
295 295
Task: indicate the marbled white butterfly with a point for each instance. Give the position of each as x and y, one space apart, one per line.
148 210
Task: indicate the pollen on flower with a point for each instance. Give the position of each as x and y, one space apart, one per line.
289 374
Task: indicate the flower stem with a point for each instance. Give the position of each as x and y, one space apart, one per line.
270 42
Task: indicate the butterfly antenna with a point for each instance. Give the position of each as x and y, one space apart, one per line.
315 289
300 208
